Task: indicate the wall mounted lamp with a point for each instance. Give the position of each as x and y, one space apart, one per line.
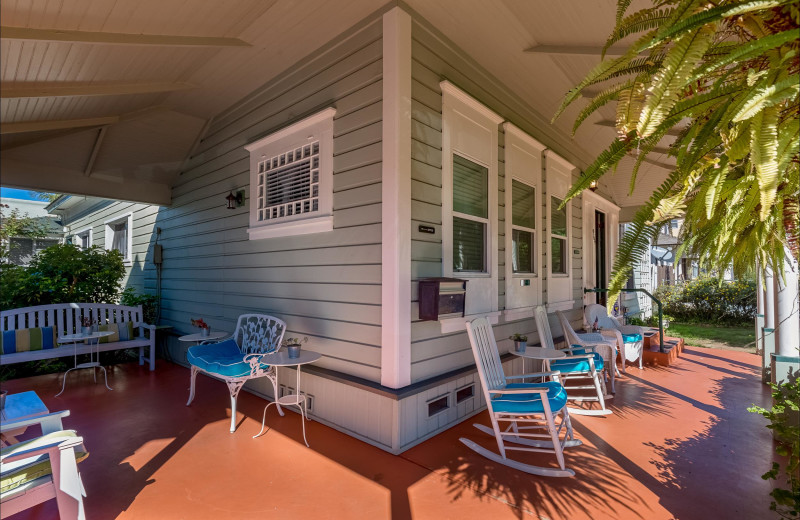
593 185
235 200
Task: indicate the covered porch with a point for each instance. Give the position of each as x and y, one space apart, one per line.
680 444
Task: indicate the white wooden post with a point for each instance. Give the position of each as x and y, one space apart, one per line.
765 359
769 316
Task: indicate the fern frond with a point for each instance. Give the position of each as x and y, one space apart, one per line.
747 51
643 20
768 96
764 153
598 101
670 80
605 161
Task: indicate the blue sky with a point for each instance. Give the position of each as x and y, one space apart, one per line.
14 193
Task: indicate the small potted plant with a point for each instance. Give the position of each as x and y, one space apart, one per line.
293 346
86 325
520 342
205 330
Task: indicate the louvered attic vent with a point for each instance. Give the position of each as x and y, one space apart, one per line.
288 184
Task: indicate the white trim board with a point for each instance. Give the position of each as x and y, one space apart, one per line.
396 201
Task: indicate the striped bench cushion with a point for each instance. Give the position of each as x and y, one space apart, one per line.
25 340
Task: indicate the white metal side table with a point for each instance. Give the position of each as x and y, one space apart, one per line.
197 337
545 354
94 356
282 359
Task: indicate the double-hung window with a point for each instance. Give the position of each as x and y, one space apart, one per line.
470 215
291 179
83 239
118 236
558 236
523 227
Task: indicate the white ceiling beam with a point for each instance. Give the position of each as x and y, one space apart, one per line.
108 38
26 175
613 124
31 90
578 50
61 124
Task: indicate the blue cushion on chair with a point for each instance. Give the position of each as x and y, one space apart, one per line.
631 338
576 365
223 358
531 403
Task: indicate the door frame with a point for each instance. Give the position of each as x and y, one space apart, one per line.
593 202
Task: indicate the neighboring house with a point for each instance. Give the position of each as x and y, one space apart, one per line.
22 249
385 158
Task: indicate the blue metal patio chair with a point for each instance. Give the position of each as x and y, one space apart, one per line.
238 359
528 410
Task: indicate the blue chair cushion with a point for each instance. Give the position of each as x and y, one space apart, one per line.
631 338
223 358
569 366
531 403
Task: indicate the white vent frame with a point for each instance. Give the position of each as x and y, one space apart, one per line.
317 128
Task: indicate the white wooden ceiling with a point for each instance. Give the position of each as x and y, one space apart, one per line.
97 94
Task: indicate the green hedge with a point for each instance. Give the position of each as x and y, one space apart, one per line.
709 300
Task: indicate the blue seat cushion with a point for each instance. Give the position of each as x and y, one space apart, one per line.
568 365
531 403
223 358
631 338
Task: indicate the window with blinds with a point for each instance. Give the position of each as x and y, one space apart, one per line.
558 236
523 226
288 184
470 215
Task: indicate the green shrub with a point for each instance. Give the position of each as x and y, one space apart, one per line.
709 300
149 303
63 274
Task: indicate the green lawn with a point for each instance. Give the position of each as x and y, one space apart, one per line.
713 335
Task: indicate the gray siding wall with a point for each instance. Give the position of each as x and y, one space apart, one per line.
435 59
325 286
141 273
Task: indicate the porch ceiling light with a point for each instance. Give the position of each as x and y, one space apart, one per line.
235 201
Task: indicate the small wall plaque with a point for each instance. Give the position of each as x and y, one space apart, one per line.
427 229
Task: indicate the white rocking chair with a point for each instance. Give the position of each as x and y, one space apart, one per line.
582 363
238 359
529 409
629 338
606 347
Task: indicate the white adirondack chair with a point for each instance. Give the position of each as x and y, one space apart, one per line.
606 347
238 359
42 469
580 365
629 338
528 409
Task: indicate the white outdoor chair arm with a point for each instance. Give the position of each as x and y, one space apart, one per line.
50 422
631 329
570 350
591 337
535 374
520 391
61 443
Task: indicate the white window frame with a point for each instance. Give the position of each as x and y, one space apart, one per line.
559 174
318 127
85 232
482 220
470 130
109 234
565 239
523 163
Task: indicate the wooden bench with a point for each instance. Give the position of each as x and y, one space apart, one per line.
65 318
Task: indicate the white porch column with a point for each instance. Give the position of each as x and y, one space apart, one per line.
787 304
769 315
396 201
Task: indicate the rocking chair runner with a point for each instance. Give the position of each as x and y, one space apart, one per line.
238 359
529 409
582 363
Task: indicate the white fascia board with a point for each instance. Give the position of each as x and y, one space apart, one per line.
552 156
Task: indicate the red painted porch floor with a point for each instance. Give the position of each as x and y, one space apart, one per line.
680 444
